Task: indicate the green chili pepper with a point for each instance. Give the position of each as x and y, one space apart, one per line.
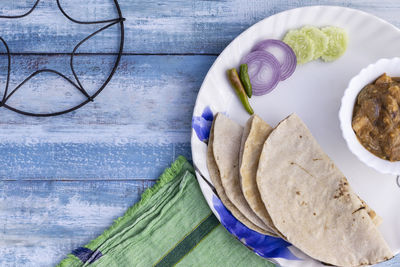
237 85
244 77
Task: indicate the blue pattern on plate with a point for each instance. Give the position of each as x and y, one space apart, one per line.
263 245
86 255
202 124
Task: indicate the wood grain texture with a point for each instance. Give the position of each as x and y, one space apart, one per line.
63 180
41 221
136 127
150 98
52 161
156 26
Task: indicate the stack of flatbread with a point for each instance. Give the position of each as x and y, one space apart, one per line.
279 182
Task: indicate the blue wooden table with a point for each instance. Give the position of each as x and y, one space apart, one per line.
64 179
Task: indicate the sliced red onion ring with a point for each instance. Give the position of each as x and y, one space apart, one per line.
264 71
282 52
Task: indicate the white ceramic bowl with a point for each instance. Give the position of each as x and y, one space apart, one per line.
367 75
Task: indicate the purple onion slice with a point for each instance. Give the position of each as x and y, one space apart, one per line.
282 52
264 71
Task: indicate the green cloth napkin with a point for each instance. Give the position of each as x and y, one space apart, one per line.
171 225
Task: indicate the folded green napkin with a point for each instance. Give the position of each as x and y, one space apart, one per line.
171 225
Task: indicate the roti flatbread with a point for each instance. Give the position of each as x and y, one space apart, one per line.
312 204
376 219
216 179
254 135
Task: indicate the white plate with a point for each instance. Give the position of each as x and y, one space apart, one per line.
314 92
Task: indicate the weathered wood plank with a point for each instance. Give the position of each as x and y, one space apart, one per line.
83 161
148 96
136 127
41 222
155 26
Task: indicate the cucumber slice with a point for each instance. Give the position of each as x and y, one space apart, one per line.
302 46
319 39
337 44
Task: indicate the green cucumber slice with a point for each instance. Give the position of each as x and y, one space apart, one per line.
319 39
337 44
302 46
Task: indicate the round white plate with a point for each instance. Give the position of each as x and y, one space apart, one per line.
313 92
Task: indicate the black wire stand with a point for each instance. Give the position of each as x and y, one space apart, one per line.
77 83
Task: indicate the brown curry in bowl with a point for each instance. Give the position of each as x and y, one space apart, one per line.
376 117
